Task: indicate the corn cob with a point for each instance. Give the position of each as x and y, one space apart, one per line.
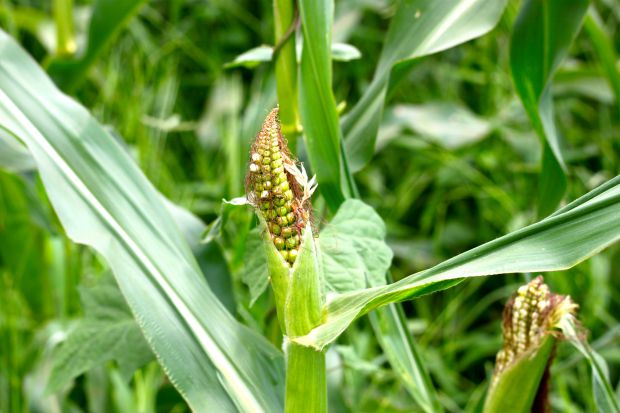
278 189
529 315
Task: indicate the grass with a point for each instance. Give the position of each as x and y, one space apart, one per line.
160 88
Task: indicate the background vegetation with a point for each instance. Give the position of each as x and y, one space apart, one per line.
457 164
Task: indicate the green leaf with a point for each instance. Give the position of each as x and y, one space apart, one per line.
604 48
14 157
448 124
341 52
518 384
418 28
578 231
306 388
353 249
390 325
317 104
210 258
107 332
108 17
103 200
602 390
255 273
304 301
541 37
252 57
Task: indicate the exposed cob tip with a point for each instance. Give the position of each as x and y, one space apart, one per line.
278 189
531 314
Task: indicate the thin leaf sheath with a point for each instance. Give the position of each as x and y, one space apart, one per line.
278 189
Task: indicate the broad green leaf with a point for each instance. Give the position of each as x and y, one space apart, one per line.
418 28
108 331
104 201
576 232
518 384
353 249
14 157
255 273
602 390
541 37
209 255
445 123
316 100
108 18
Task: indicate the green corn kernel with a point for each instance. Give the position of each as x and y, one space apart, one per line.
287 232
285 254
282 221
292 254
279 243
291 243
281 211
275 229
290 217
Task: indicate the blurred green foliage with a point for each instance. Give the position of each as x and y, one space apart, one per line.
441 188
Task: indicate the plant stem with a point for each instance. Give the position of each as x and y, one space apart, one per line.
306 389
65 33
286 69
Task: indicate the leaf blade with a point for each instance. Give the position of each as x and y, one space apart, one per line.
436 26
104 201
555 243
533 63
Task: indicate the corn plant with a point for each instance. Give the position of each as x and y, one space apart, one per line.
327 266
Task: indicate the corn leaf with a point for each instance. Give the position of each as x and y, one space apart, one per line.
576 232
14 157
541 37
104 201
418 28
316 100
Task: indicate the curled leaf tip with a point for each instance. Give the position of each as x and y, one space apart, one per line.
278 189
